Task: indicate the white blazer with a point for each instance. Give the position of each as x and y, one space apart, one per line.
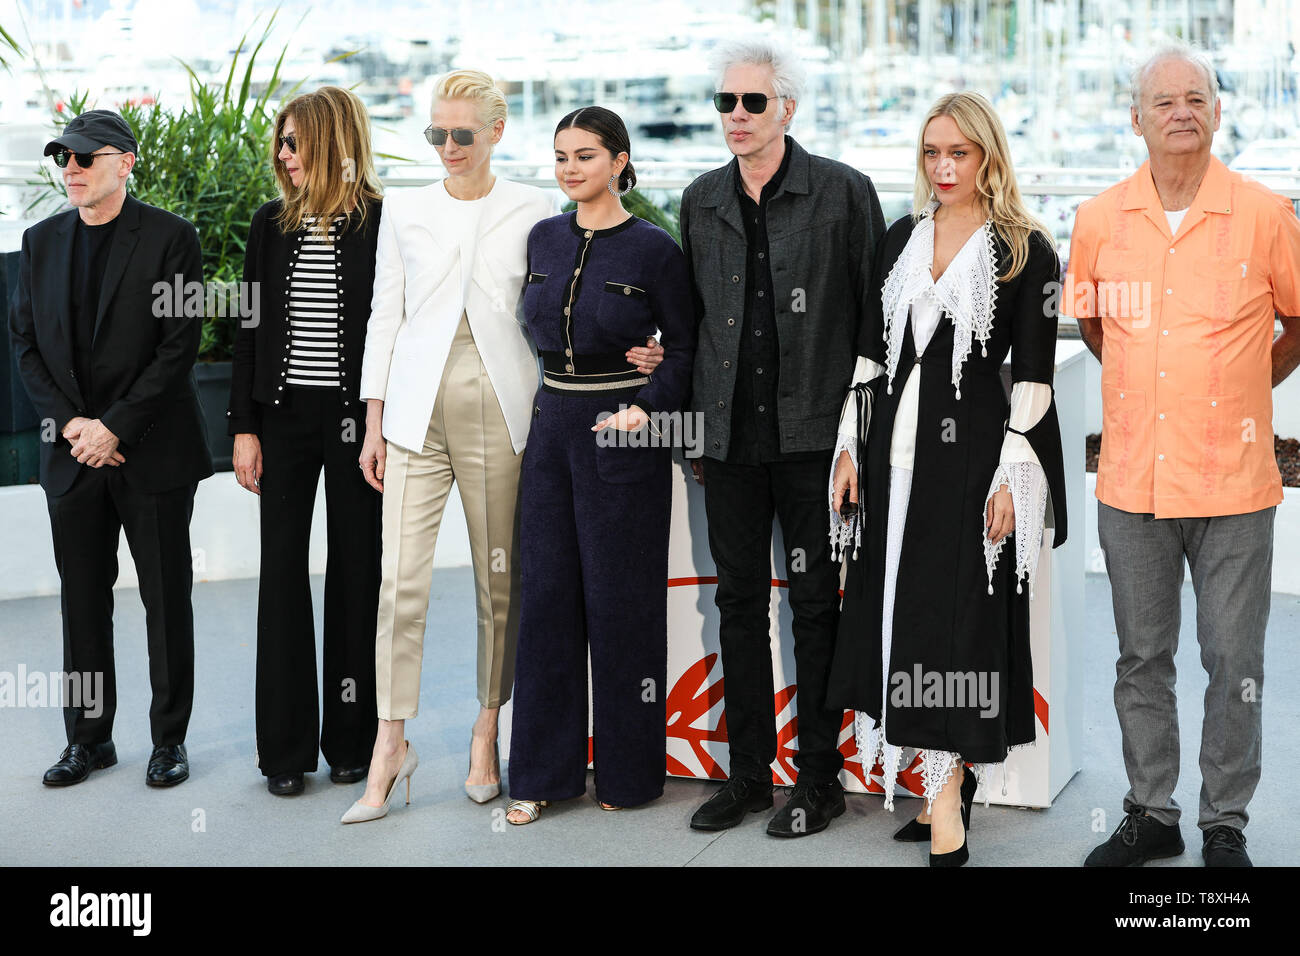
439 256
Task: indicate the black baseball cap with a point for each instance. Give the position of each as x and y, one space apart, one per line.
92 130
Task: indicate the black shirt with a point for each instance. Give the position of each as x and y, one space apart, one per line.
90 245
755 438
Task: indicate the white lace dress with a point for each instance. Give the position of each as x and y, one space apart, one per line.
967 291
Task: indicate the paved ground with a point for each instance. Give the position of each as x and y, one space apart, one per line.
223 814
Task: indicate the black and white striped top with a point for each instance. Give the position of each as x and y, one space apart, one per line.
314 311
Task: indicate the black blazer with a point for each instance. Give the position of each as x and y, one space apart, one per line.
142 362
261 347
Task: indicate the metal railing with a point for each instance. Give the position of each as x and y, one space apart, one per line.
660 175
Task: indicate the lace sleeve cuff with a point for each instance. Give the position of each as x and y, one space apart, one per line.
1028 485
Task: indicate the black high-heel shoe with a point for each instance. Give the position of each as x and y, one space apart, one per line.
916 832
959 856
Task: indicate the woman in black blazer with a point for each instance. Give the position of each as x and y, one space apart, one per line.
310 262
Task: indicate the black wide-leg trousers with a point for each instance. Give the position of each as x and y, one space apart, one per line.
593 540
316 431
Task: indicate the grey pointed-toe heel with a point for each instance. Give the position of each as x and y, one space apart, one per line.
360 812
484 792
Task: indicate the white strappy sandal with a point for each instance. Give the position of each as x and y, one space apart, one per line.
531 808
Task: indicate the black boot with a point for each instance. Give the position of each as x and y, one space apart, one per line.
284 784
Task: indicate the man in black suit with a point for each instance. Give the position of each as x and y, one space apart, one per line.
108 363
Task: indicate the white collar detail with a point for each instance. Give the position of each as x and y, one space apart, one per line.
967 291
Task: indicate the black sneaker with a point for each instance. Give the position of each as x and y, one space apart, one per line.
727 807
1224 846
810 809
1136 840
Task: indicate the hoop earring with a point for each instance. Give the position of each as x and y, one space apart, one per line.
617 194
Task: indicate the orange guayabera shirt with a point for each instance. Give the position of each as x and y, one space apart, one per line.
1187 324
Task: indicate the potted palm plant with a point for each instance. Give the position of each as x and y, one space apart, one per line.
206 161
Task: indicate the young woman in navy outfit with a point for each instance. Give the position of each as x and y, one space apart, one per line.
594 508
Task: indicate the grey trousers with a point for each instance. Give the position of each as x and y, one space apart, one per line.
1231 559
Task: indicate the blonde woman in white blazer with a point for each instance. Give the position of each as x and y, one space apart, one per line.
448 377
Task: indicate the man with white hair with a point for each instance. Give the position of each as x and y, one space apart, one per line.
780 245
1175 276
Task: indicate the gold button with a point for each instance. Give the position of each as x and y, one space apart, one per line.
627 290
566 310
587 233
569 352
568 367
576 271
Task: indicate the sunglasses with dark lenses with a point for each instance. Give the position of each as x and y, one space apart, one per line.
84 160
291 141
753 102
463 137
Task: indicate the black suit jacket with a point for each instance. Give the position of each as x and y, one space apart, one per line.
142 353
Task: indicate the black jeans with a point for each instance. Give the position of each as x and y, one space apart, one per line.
740 501
297 441
86 522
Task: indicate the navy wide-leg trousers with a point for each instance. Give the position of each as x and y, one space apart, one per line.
593 538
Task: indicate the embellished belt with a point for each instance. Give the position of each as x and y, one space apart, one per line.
592 372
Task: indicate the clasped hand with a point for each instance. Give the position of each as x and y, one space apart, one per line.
92 443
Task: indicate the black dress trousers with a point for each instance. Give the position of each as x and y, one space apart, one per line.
740 502
86 522
309 431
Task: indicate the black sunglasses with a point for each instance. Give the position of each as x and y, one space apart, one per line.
84 160
754 102
291 141
462 136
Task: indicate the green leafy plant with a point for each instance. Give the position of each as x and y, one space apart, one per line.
8 43
208 163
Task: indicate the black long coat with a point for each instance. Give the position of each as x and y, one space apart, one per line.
945 621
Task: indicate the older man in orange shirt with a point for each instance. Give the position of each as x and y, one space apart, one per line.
1175 276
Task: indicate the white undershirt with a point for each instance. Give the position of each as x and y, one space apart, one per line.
902 444
1175 217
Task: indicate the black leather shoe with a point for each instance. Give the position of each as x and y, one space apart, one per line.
810 809
1224 846
284 784
914 832
729 805
349 774
76 762
168 766
1136 840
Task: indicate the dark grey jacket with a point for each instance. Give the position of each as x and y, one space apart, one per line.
823 226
